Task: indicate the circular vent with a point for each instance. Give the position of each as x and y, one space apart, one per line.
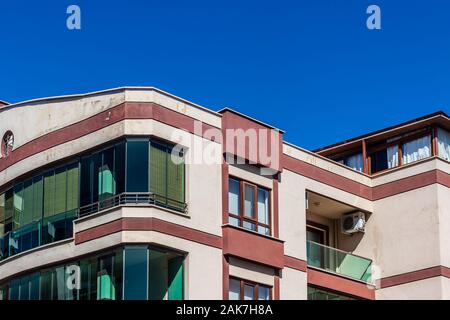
7 144
347 224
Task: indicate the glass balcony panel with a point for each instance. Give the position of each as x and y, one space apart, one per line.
338 261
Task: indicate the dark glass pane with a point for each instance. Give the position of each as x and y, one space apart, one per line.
14 288
379 161
137 166
119 168
234 290
263 293
135 274
158 275
46 285
9 209
38 198
88 290
24 288
85 182
34 286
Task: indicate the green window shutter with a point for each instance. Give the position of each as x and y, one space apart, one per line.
60 190
175 291
38 194
175 177
72 187
27 217
158 168
49 194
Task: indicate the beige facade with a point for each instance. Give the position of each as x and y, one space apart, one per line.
297 251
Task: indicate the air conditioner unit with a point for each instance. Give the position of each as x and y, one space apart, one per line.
353 222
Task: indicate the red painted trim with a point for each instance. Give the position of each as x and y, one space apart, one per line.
225 177
276 228
252 246
127 110
438 271
326 177
294 263
376 193
148 224
339 284
276 288
225 278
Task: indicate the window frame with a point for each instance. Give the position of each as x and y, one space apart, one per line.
400 142
255 285
254 219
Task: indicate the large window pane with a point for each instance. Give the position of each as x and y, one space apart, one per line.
249 292
27 216
2 215
49 194
175 278
137 166
355 162
158 275
249 201
263 293
18 206
85 182
234 290
135 274
38 197
234 197
119 167
107 287
417 150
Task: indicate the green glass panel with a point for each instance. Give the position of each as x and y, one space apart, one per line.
337 261
27 216
176 279
38 197
105 175
158 171
60 190
49 194
72 187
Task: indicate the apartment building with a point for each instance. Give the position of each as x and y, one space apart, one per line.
134 193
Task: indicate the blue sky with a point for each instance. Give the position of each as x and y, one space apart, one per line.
311 68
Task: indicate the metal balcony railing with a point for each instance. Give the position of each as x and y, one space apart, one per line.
137 198
337 261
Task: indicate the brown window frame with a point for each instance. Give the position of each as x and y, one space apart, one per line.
254 219
255 285
399 143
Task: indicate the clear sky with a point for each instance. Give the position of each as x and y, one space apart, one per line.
310 67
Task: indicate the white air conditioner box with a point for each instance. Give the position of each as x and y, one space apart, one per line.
353 222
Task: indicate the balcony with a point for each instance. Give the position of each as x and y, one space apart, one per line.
338 261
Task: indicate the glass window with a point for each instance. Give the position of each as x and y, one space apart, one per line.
249 202
249 292
137 166
136 273
443 137
60 190
176 288
106 180
320 294
263 293
355 162
255 202
417 150
234 289
234 197
263 211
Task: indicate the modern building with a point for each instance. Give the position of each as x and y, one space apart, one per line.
133 193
